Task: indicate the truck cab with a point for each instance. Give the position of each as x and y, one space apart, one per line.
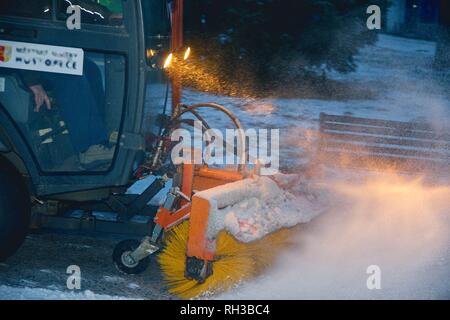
77 80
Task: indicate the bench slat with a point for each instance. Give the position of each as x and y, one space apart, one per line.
385 131
379 162
386 140
376 122
345 147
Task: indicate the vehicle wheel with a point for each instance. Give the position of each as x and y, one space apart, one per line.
14 213
122 261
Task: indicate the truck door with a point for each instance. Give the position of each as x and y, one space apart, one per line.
72 83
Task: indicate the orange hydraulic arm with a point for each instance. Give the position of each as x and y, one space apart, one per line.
198 180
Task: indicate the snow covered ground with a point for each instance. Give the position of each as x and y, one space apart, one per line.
9 293
400 225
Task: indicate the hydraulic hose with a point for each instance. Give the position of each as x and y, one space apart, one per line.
193 110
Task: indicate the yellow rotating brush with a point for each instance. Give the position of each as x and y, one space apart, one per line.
236 261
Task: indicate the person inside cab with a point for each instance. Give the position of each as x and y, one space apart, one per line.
80 101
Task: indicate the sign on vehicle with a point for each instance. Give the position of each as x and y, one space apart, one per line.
39 57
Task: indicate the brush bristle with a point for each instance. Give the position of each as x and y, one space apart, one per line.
236 262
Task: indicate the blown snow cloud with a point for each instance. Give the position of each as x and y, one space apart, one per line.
398 224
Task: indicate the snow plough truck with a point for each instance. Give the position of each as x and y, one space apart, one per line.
87 110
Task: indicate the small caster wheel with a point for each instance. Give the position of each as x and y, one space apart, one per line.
124 262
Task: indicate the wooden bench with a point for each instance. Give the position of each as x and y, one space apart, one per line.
383 144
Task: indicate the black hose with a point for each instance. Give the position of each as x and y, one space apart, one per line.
216 106
192 109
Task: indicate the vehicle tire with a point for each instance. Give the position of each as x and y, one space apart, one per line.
15 211
119 258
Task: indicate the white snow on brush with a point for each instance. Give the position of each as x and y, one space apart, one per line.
252 208
10 293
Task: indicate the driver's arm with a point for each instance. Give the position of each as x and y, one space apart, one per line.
34 82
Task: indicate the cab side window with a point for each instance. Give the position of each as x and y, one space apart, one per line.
40 9
70 122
